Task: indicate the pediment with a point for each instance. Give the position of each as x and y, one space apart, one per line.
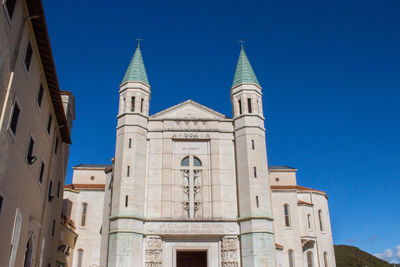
189 110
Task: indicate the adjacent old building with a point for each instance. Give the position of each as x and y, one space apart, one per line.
191 187
35 134
86 195
301 221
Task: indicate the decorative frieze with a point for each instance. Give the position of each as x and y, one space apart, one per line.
191 228
230 252
153 256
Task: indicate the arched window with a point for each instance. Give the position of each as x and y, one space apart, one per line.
192 177
291 257
196 161
309 220
80 257
326 259
321 225
310 262
286 211
84 211
185 161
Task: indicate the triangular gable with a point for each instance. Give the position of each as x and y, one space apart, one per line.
189 110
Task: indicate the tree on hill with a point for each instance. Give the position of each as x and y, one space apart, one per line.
349 256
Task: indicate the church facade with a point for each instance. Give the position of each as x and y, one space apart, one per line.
191 187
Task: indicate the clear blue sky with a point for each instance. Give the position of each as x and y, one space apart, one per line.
330 77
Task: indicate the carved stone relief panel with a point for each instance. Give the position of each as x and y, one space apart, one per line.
153 257
192 179
230 251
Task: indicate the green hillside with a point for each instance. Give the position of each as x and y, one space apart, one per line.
349 256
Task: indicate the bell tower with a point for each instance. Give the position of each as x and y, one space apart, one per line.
128 197
254 196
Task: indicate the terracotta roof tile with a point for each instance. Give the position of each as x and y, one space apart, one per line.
297 187
301 202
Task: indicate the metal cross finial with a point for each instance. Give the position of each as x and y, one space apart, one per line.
241 43
138 41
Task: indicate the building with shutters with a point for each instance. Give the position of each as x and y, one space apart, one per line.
35 133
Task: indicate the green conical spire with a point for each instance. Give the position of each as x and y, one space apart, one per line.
244 72
136 71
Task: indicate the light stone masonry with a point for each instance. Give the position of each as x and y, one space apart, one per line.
191 187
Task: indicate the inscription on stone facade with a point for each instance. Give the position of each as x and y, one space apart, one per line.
191 228
191 136
230 256
197 148
153 255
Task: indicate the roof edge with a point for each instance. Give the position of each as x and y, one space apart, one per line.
35 7
189 101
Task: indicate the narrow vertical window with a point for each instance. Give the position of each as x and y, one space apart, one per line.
58 189
56 146
309 221
326 259
240 106
128 170
15 237
249 105
126 201
321 226
14 118
10 4
252 144
141 105
286 211
1 203
84 211
28 56
53 228
30 158
41 172
80 257
257 203
133 104
40 96
130 143
310 262
49 124
291 258
49 196
255 172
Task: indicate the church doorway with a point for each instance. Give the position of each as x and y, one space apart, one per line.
191 259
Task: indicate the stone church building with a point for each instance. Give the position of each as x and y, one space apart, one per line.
191 187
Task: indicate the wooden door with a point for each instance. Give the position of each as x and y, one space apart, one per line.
191 259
